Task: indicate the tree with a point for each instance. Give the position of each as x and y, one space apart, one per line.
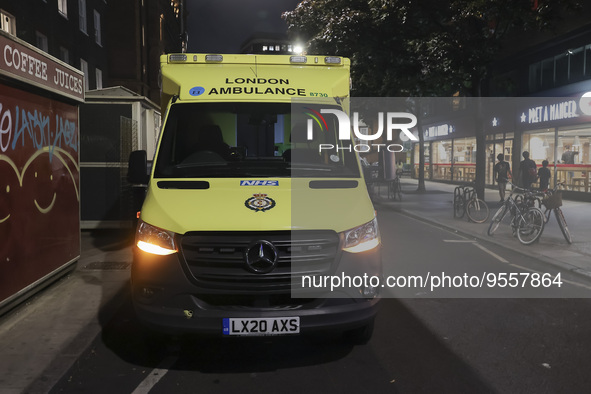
419 48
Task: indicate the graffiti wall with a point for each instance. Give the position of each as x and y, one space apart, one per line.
39 188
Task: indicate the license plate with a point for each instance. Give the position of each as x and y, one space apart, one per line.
261 326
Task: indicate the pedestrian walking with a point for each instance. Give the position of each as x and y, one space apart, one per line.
544 174
528 171
502 171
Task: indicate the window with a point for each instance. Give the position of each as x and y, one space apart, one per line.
82 16
577 64
547 73
62 7
561 69
84 69
570 66
7 23
65 55
99 78
97 28
572 154
41 41
442 154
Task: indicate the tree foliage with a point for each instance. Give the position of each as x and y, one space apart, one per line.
417 48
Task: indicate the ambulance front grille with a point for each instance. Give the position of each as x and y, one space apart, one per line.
216 260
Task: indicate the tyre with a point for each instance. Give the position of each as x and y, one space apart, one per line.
458 206
530 226
562 224
497 219
477 210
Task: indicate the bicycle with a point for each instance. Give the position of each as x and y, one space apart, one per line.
527 222
467 202
552 201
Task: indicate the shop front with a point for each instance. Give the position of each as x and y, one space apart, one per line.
559 131
450 151
39 169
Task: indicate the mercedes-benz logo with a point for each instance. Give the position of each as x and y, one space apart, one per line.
261 257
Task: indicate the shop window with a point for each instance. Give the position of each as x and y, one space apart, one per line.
540 145
441 163
574 163
464 159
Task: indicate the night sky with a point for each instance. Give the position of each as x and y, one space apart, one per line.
221 26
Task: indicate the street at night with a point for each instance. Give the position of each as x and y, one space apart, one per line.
295 196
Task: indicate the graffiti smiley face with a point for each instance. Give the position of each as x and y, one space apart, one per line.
37 182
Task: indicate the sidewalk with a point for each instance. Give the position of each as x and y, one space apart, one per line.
42 338
435 205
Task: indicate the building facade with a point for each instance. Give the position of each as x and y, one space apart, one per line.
115 43
550 80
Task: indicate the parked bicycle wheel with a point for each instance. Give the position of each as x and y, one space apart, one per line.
497 219
562 224
530 226
477 210
458 204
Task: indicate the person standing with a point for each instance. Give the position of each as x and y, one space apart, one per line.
544 174
528 171
502 171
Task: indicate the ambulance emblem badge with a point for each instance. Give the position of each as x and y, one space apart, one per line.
259 202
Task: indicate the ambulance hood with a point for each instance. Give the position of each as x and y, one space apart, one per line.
231 204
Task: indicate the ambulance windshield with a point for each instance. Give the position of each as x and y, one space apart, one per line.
209 140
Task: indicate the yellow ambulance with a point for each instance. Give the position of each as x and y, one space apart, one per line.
256 219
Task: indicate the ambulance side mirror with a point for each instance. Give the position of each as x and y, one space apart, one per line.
137 171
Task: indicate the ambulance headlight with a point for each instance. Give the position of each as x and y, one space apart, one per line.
362 238
154 240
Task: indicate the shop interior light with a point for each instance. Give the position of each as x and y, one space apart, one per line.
577 141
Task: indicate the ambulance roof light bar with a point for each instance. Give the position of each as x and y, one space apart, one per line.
177 57
214 58
298 59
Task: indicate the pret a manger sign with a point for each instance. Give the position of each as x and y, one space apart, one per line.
20 61
344 129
